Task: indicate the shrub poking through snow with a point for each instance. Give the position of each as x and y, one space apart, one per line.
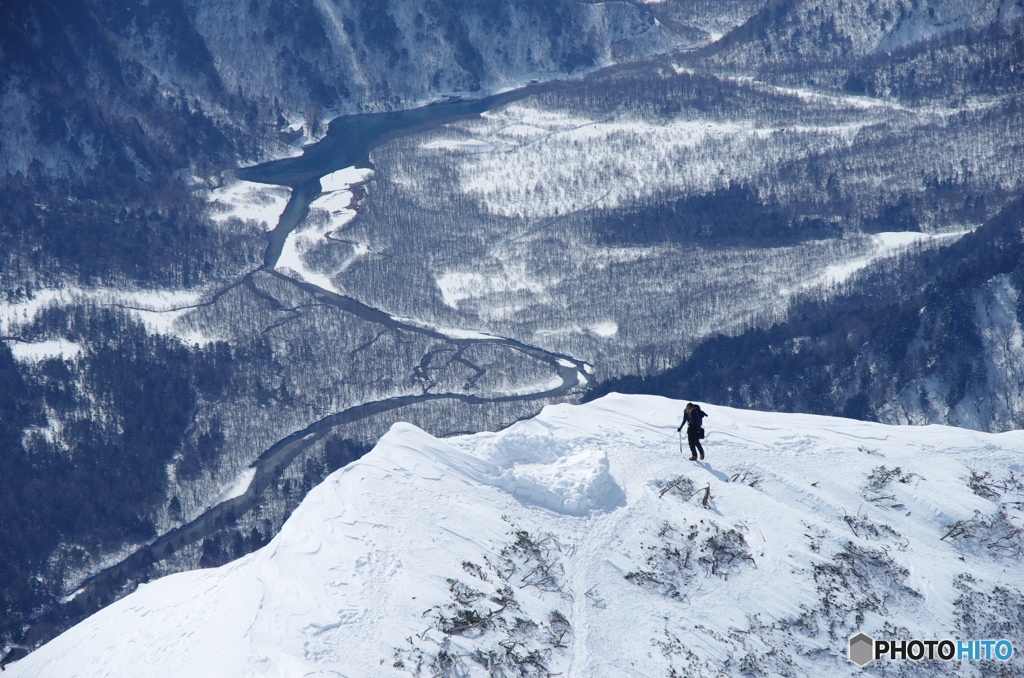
669 563
881 477
865 528
684 488
984 485
690 664
1000 533
672 563
857 581
680 486
877 488
723 551
490 628
748 478
984 611
534 561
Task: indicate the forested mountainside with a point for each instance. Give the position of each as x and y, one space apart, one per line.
951 352
826 42
186 350
926 337
114 109
157 86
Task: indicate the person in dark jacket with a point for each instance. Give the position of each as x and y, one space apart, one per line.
692 419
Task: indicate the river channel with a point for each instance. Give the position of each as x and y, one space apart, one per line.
348 143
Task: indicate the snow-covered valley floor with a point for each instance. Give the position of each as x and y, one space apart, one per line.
583 543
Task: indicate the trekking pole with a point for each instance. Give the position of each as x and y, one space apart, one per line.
680 432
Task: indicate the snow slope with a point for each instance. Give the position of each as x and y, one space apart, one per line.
561 546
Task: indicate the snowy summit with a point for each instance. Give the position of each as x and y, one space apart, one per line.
584 543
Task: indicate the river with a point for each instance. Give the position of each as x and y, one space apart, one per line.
348 143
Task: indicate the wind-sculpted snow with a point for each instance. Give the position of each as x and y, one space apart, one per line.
582 543
537 471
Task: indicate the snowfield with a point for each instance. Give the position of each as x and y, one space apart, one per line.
249 201
583 543
158 310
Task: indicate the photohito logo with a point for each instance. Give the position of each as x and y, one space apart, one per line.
864 648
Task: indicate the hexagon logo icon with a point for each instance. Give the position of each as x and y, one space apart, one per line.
862 649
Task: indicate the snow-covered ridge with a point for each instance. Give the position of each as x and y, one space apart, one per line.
584 542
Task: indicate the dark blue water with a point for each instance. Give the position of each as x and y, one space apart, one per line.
350 138
348 143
